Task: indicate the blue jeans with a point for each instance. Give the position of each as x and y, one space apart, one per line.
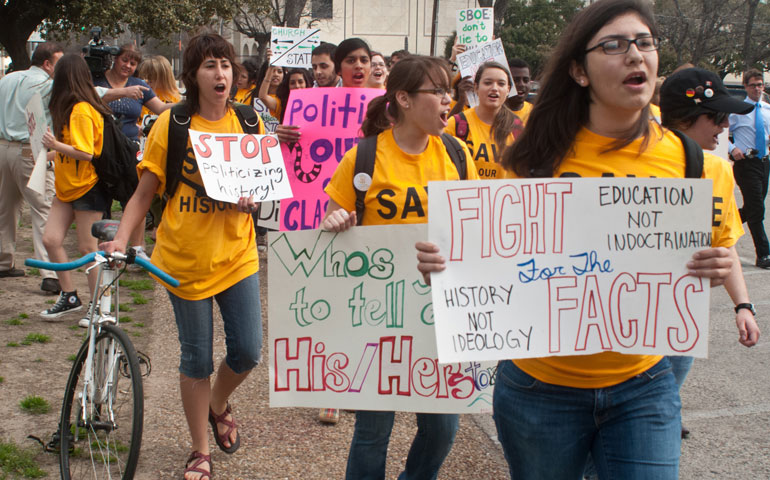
242 317
369 448
632 430
680 367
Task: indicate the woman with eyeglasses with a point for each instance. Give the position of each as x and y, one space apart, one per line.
695 102
488 128
592 119
407 122
379 74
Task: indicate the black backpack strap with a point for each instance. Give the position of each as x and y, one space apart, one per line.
365 155
248 118
693 156
461 126
457 154
178 126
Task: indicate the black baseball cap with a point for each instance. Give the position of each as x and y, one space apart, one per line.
696 90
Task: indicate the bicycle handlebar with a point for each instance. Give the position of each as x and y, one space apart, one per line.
88 258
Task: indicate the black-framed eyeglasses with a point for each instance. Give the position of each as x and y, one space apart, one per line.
717 117
438 91
619 46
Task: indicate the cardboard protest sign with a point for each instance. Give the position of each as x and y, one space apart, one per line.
351 325
568 266
240 165
470 60
330 122
474 26
37 124
292 47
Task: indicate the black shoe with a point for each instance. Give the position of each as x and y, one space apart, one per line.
685 432
68 302
13 272
50 285
763 262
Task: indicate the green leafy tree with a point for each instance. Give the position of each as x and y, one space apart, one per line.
57 18
531 29
254 18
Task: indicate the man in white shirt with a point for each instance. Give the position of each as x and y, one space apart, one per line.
749 151
16 160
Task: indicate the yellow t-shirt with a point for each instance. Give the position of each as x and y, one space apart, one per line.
74 178
207 245
398 192
663 157
655 112
726 226
277 112
524 111
242 95
481 143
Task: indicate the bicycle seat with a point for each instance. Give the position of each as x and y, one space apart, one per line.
105 230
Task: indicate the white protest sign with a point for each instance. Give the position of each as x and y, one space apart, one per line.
292 47
270 122
474 26
36 124
567 266
240 165
352 326
470 60
268 215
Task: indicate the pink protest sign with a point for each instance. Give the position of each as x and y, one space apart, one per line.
330 121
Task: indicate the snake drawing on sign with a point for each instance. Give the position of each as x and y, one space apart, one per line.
302 176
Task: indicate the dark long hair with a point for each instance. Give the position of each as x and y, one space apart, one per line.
251 65
505 120
284 90
562 106
72 84
201 47
407 75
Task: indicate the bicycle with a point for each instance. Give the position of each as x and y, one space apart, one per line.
100 429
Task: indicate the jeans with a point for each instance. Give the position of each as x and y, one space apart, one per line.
751 175
680 367
632 430
242 316
369 448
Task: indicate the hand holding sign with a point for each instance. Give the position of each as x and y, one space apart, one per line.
234 166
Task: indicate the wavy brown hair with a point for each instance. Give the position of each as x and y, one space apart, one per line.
505 120
72 84
562 105
407 75
202 46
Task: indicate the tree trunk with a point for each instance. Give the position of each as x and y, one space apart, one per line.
747 54
293 11
17 22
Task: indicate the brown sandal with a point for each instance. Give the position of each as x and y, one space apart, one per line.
214 420
195 467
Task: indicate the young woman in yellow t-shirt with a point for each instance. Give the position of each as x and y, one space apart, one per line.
408 121
489 127
210 247
76 111
592 119
269 79
157 72
247 82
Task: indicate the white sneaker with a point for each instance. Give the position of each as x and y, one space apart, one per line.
141 253
83 322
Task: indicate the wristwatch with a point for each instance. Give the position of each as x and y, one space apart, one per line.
747 306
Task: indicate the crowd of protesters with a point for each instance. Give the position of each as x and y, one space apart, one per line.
593 117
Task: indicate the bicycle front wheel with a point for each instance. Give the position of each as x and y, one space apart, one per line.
101 418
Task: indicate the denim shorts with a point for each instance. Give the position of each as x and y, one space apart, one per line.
242 317
95 200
